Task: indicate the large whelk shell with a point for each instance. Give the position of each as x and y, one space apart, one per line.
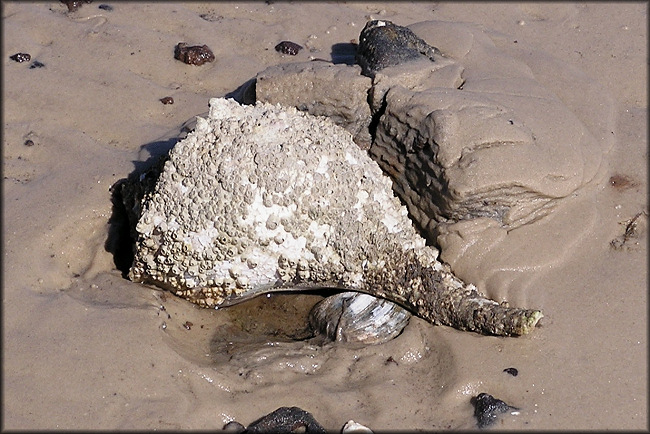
353 234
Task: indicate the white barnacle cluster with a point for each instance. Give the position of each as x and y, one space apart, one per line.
264 197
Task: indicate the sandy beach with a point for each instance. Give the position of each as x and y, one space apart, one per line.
85 348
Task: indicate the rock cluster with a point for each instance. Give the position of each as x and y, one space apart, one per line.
453 127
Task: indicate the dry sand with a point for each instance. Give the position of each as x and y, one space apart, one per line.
86 349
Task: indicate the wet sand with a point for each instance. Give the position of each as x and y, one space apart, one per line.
85 348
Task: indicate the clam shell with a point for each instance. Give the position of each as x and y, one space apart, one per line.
358 317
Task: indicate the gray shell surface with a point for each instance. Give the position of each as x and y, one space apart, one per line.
264 198
383 44
358 317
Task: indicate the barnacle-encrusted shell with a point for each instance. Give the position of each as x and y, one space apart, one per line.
270 174
262 198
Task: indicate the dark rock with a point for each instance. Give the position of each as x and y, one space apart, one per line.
487 409
167 100
105 7
21 57
288 47
36 64
286 420
193 55
383 44
512 371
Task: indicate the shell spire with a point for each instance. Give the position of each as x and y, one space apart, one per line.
434 293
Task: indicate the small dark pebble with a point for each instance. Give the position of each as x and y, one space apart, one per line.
288 47
105 7
36 64
21 57
487 409
188 325
194 55
285 420
512 371
73 5
29 142
167 100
